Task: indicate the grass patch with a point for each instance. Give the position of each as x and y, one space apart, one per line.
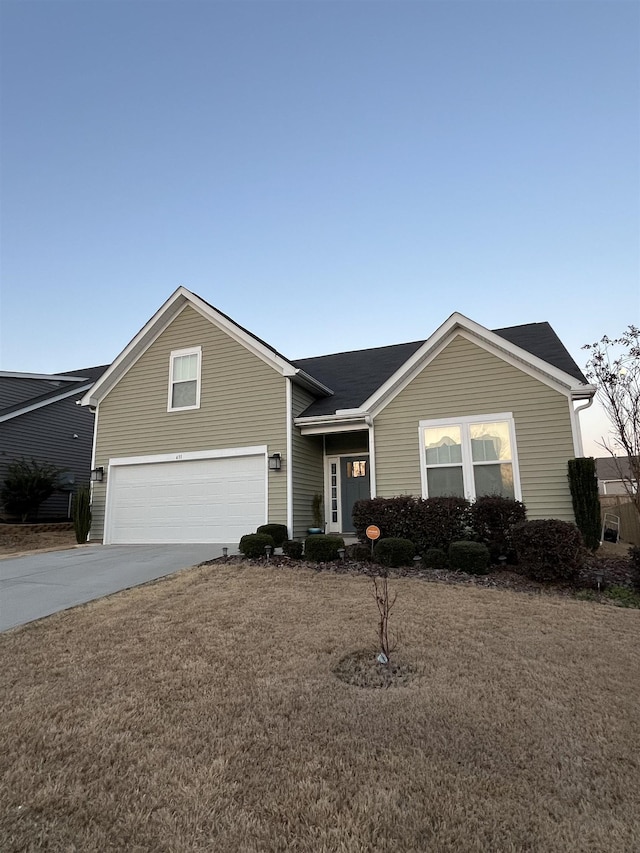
201 713
620 596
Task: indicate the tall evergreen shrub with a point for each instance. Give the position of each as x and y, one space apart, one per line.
81 512
583 482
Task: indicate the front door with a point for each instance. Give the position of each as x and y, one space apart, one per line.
354 486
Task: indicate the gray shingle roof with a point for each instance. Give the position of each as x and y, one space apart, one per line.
85 375
354 376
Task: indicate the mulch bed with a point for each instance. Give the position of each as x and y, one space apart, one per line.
362 669
617 572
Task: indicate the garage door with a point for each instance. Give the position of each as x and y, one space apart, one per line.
199 500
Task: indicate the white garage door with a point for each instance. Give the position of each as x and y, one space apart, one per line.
198 500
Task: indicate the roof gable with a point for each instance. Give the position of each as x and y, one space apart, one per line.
177 302
364 379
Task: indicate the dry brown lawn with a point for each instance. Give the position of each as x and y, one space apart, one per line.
22 539
200 713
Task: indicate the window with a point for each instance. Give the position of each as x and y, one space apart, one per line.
184 379
469 457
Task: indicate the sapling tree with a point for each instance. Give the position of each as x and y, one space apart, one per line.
385 603
614 367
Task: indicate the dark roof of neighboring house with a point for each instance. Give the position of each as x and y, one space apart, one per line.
354 376
612 468
48 389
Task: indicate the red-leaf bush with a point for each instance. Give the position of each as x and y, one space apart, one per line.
492 517
430 523
548 549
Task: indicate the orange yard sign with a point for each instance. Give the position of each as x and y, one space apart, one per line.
373 532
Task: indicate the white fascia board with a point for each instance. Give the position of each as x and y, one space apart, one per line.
457 324
51 377
33 406
307 381
331 423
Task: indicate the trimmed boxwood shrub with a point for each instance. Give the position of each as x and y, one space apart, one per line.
491 518
434 558
292 548
253 544
470 557
358 552
322 547
548 549
279 532
394 552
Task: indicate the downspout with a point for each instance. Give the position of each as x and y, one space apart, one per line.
577 444
289 408
372 457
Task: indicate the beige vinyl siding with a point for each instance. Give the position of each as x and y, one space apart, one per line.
308 475
465 379
242 403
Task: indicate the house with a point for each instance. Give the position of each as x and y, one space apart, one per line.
39 419
203 431
612 473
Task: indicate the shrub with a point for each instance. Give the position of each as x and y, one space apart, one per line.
434 558
358 552
81 513
491 518
396 517
27 485
430 523
322 547
394 552
583 482
278 532
634 559
292 548
253 544
443 521
623 597
471 557
548 549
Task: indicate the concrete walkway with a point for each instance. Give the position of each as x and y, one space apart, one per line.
37 585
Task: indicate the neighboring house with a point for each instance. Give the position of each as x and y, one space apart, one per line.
39 419
204 431
612 471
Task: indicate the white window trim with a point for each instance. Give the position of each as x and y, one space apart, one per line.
177 353
467 463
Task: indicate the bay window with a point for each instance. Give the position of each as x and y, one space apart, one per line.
469 457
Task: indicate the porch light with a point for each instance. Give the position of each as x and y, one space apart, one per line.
97 474
275 462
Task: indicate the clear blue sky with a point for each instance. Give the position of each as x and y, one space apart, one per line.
333 175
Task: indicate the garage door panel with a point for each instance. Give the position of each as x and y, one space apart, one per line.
204 500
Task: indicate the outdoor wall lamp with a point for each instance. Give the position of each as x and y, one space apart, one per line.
97 474
275 462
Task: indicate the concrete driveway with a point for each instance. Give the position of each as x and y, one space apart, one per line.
40 584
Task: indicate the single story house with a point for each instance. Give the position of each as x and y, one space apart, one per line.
39 419
203 431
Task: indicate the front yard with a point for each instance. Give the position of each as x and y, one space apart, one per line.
200 713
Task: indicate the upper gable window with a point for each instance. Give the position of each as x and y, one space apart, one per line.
184 379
